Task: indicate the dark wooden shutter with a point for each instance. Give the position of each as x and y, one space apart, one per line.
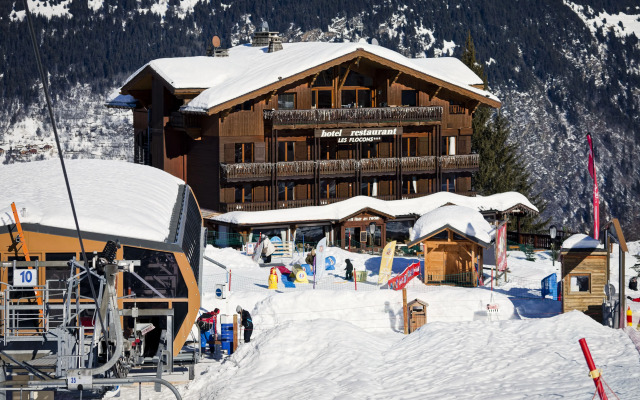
384 149
423 146
300 151
301 191
383 188
422 186
229 195
259 152
464 145
343 190
229 153
463 184
258 194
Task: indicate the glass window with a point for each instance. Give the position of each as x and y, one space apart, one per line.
409 98
409 147
287 101
348 98
285 191
327 188
357 79
243 194
285 151
448 183
369 150
364 98
321 99
325 78
580 283
159 270
244 152
57 276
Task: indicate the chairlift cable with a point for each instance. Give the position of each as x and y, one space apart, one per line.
45 87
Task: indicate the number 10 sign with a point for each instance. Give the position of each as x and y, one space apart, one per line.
25 277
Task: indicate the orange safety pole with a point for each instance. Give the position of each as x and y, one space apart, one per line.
593 372
24 248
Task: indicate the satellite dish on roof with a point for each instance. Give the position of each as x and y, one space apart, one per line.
215 41
374 42
265 26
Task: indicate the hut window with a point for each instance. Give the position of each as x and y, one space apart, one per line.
321 99
580 283
244 152
409 98
287 101
159 269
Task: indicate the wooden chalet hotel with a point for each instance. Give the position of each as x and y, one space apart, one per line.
273 125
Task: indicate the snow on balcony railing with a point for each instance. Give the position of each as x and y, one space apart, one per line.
337 166
247 170
427 163
353 115
467 161
248 206
295 168
295 203
378 164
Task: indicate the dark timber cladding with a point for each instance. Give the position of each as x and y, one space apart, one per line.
358 124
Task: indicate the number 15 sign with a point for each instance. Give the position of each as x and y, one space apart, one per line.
25 277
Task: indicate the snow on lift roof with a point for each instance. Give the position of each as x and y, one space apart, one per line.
111 197
250 68
581 241
462 219
500 202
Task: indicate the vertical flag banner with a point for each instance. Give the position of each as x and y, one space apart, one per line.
596 194
320 258
501 247
386 262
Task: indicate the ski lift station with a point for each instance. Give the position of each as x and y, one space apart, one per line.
136 299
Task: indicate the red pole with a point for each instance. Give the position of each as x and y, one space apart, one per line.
593 372
349 240
229 280
355 278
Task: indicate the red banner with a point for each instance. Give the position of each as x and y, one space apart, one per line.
400 281
596 194
501 247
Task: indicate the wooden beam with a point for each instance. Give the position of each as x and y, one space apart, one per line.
346 73
270 95
396 78
313 80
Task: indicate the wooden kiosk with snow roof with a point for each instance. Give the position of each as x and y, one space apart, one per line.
584 275
453 239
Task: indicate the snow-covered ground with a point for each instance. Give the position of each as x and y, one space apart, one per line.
339 343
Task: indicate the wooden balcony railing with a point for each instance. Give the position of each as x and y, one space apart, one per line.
330 167
324 202
247 170
295 203
419 164
386 197
468 161
378 164
189 123
355 116
257 206
296 168
413 195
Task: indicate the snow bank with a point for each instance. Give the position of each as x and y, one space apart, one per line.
111 197
462 219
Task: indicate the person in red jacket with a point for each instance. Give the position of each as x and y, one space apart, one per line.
207 323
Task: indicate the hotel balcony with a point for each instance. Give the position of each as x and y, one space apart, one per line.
419 164
353 117
188 123
378 165
246 171
295 168
337 167
460 163
248 206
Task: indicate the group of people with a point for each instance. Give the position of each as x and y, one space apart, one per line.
208 322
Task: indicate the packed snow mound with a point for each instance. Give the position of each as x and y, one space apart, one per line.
110 197
581 241
331 359
462 219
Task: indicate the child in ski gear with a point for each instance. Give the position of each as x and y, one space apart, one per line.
349 269
267 249
633 283
247 324
207 323
310 257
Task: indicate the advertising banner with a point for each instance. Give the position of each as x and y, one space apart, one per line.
320 258
400 281
501 247
386 262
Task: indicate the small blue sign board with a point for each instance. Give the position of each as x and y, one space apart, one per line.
330 263
218 292
550 286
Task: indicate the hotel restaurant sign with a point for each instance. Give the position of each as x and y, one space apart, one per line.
357 135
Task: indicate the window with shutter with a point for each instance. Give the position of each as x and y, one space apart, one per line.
229 153
260 150
423 146
300 151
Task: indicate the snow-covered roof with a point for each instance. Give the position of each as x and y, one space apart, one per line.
110 197
500 202
121 101
581 241
248 69
465 220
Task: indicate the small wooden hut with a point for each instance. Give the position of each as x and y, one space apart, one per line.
453 238
584 268
417 314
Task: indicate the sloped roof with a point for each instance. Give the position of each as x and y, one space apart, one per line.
249 69
338 211
464 221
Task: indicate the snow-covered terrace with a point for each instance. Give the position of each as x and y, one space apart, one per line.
502 203
248 69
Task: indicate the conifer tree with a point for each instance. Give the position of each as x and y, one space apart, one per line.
500 167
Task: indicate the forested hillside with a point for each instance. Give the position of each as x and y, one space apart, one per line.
562 69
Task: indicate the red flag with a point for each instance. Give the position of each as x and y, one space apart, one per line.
596 194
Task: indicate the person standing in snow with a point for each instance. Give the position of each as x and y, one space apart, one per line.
246 323
310 257
349 269
267 249
207 323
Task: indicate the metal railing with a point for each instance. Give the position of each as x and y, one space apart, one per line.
354 116
467 161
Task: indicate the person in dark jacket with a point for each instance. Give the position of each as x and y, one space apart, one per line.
349 269
207 323
246 322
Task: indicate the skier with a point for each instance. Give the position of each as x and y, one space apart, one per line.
207 323
349 269
247 324
267 248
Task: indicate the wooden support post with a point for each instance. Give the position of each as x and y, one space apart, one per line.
236 332
405 312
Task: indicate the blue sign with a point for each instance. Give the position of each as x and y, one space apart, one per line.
218 292
330 263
